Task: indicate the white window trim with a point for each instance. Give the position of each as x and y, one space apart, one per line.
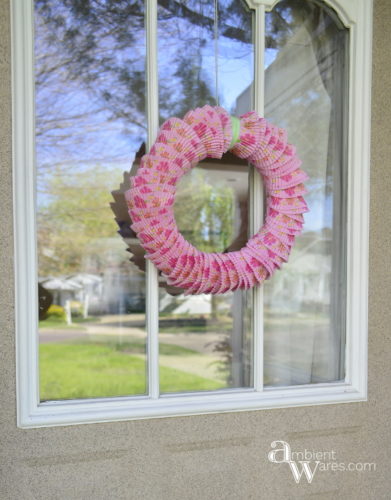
356 15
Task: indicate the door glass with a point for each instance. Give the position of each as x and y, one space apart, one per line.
306 93
90 122
207 338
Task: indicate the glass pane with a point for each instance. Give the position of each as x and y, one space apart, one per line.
306 93
90 121
207 339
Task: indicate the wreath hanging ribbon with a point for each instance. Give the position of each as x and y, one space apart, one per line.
180 145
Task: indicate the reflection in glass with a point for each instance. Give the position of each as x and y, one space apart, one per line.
90 87
306 92
187 55
207 338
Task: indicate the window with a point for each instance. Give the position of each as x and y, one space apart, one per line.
105 338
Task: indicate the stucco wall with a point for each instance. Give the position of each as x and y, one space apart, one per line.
217 456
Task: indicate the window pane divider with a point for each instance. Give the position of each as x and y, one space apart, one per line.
257 194
152 283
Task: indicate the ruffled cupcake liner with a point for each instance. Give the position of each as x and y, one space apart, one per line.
206 123
292 192
251 131
186 159
286 181
180 136
175 166
139 214
147 189
260 252
194 280
290 165
288 205
226 125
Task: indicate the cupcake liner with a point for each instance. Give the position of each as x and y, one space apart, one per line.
217 276
155 226
225 285
193 269
151 200
286 181
288 205
158 243
280 163
147 177
161 257
259 273
206 123
252 128
259 251
185 131
273 243
281 226
288 219
188 266
139 214
289 166
292 192
175 166
179 273
274 149
203 281
148 190
233 275
286 239
247 269
274 157
182 254
239 263
182 138
154 188
262 150
226 125
186 160
194 280
269 257
167 259
276 146
270 158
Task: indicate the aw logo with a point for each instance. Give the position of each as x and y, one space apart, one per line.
282 454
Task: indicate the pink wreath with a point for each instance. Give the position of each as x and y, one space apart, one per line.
180 145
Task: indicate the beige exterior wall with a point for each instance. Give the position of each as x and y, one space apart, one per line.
209 457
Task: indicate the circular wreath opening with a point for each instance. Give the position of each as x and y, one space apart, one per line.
209 132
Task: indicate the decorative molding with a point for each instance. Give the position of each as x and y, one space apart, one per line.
346 9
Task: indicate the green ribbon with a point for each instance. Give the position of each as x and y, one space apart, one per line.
235 125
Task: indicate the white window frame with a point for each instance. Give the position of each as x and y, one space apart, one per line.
357 16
